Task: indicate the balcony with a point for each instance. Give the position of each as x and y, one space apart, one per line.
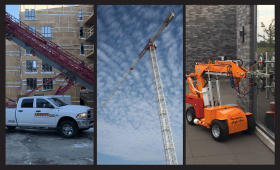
89 52
89 34
90 20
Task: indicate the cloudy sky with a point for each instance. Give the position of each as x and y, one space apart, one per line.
265 14
128 126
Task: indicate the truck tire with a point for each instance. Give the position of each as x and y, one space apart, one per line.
219 130
68 129
190 115
251 125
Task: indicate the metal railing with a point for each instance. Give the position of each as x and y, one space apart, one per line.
89 32
36 41
89 51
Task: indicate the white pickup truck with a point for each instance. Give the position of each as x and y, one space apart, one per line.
49 112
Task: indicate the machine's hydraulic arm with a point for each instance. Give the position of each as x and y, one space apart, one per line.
230 68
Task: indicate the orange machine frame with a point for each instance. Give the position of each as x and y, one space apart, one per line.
236 118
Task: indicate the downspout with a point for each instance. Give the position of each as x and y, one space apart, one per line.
20 53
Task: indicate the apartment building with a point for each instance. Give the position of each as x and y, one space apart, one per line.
71 28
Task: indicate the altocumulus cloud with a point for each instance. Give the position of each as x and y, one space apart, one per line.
128 126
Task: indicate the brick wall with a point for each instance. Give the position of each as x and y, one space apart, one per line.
210 32
245 50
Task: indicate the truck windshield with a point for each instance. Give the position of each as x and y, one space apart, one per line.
57 102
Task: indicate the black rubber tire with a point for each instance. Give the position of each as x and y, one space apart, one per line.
191 113
11 127
251 125
223 127
71 125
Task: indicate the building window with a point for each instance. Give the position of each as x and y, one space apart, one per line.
264 99
48 86
81 32
32 29
80 15
31 83
46 67
46 31
30 14
27 53
31 66
82 52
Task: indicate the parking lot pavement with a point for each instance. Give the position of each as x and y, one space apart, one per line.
238 149
47 147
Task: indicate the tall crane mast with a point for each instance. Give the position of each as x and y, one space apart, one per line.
168 144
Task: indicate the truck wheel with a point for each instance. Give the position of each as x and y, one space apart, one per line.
68 129
190 113
219 130
251 125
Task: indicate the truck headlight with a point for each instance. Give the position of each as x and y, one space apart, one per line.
81 116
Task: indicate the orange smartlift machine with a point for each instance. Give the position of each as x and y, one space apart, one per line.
221 119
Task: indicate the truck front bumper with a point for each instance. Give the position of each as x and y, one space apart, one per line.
85 124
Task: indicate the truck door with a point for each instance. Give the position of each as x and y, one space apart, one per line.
25 113
44 113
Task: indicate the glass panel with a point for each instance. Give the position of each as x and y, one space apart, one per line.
82 48
27 103
34 64
29 14
42 30
33 13
49 85
26 13
40 103
31 83
49 30
264 99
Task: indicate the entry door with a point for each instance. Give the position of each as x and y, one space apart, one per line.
44 113
25 113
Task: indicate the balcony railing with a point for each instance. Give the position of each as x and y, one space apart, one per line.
89 52
89 33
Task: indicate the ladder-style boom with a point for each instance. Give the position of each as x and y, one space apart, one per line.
168 144
165 23
127 73
49 52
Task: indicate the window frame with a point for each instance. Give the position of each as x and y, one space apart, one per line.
46 86
30 14
45 66
27 53
80 14
81 28
82 46
45 32
29 80
27 99
27 71
50 104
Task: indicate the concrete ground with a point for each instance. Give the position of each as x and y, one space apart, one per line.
238 149
46 147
